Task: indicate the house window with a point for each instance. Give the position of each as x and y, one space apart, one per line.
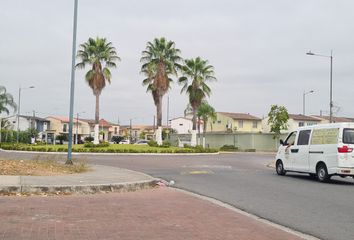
301 124
65 126
181 124
311 123
219 121
255 124
240 123
115 130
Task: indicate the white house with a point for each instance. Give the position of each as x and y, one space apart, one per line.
183 125
295 121
26 122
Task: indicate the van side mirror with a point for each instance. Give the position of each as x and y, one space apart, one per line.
281 142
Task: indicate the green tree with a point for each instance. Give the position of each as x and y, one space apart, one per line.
196 74
96 53
6 101
160 60
278 119
205 112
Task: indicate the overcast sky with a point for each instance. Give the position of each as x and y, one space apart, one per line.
257 48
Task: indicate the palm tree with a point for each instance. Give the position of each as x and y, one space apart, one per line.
206 112
96 52
6 101
160 60
196 73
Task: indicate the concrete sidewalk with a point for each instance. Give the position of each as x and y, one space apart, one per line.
100 179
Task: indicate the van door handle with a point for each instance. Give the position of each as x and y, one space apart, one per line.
295 150
319 152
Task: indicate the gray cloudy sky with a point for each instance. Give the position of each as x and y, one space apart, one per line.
257 48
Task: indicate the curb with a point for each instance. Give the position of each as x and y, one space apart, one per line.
112 154
246 214
79 189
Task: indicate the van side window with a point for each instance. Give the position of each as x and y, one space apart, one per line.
291 139
348 135
304 137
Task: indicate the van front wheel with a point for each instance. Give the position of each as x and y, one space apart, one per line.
322 173
280 168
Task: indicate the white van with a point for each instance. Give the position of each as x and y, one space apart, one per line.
320 150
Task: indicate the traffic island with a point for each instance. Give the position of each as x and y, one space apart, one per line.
98 179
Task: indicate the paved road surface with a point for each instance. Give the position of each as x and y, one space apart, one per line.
242 180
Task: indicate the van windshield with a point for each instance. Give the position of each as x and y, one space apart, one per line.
348 135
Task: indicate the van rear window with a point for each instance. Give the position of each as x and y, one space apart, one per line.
348 135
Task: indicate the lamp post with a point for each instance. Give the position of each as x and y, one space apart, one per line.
19 110
330 81
72 87
303 101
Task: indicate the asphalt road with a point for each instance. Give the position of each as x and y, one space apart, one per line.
243 180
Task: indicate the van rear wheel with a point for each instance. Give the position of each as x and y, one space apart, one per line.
322 173
280 168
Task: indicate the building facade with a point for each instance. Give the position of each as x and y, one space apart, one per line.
234 122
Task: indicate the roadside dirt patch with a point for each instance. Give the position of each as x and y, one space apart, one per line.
40 168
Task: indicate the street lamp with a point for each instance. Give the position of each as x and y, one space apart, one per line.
19 109
330 81
303 101
69 160
77 126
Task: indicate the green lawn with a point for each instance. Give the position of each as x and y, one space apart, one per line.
113 148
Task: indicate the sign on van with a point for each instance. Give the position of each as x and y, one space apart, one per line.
325 136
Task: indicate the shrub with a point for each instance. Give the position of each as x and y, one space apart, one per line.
100 145
165 145
153 143
231 148
89 145
250 150
88 139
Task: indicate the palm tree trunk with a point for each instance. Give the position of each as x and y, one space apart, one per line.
205 121
159 112
158 132
194 131
194 118
199 136
97 118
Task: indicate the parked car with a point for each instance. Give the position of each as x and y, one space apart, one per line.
322 151
142 142
126 141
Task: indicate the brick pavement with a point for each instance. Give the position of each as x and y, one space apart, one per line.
160 213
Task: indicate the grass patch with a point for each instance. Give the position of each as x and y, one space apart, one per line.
40 167
113 148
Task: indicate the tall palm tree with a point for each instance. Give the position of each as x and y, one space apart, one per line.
205 112
196 74
96 53
159 61
6 101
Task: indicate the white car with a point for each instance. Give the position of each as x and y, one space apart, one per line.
124 141
320 150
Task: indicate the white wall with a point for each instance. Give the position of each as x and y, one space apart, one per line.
183 125
24 123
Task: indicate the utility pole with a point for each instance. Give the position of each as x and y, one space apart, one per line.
72 87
